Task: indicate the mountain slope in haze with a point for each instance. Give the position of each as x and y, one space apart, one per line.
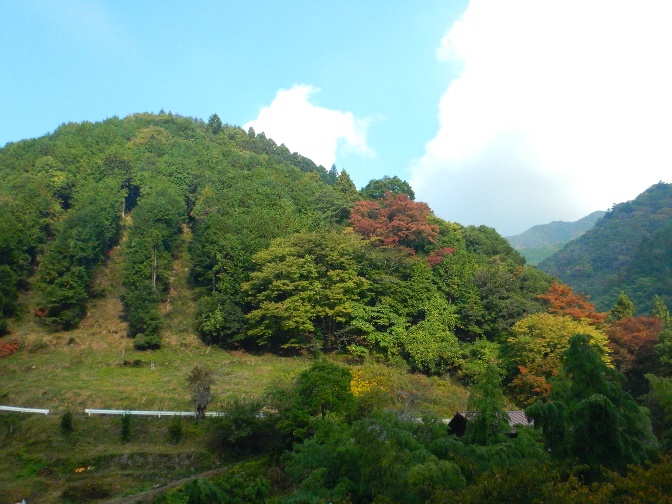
542 241
628 250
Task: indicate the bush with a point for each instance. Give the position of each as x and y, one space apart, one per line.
201 491
67 426
125 427
147 342
175 430
243 429
7 348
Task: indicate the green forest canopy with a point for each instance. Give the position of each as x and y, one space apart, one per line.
289 257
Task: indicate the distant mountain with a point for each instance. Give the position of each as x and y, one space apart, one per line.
629 249
542 241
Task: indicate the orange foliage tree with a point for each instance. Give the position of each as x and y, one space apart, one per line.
395 220
563 301
632 341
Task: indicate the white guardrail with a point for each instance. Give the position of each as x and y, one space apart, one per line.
90 411
24 410
159 414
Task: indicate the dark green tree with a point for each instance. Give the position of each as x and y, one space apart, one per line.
126 427
8 295
214 124
659 309
87 232
149 249
325 388
623 308
67 426
332 175
659 402
590 418
201 491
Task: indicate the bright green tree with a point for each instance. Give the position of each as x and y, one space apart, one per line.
430 346
305 290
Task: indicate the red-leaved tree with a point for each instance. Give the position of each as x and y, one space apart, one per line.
435 257
632 341
395 221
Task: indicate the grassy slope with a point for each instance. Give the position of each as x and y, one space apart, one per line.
83 369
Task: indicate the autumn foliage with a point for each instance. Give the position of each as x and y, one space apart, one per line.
394 220
7 349
435 257
632 341
563 301
537 346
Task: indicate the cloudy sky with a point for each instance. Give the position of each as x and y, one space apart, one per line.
504 113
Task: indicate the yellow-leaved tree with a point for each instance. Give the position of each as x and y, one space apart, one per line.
536 349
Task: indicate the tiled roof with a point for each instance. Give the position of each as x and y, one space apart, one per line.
515 417
519 418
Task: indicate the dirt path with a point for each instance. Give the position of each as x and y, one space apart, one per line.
148 494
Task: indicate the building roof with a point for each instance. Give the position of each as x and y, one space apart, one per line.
517 417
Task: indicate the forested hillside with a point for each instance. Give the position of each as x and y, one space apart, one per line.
628 251
284 255
542 241
280 259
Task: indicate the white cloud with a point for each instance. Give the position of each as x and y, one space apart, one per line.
560 108
312 131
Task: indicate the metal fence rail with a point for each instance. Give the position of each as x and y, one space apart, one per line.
90 411
24 410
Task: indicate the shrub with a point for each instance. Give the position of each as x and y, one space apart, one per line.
67 426
175 430
147 342
243 429
7 348
125 427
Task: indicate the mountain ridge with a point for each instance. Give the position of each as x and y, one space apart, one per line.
542 240
626 251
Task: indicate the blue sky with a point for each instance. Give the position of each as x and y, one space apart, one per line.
508 114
